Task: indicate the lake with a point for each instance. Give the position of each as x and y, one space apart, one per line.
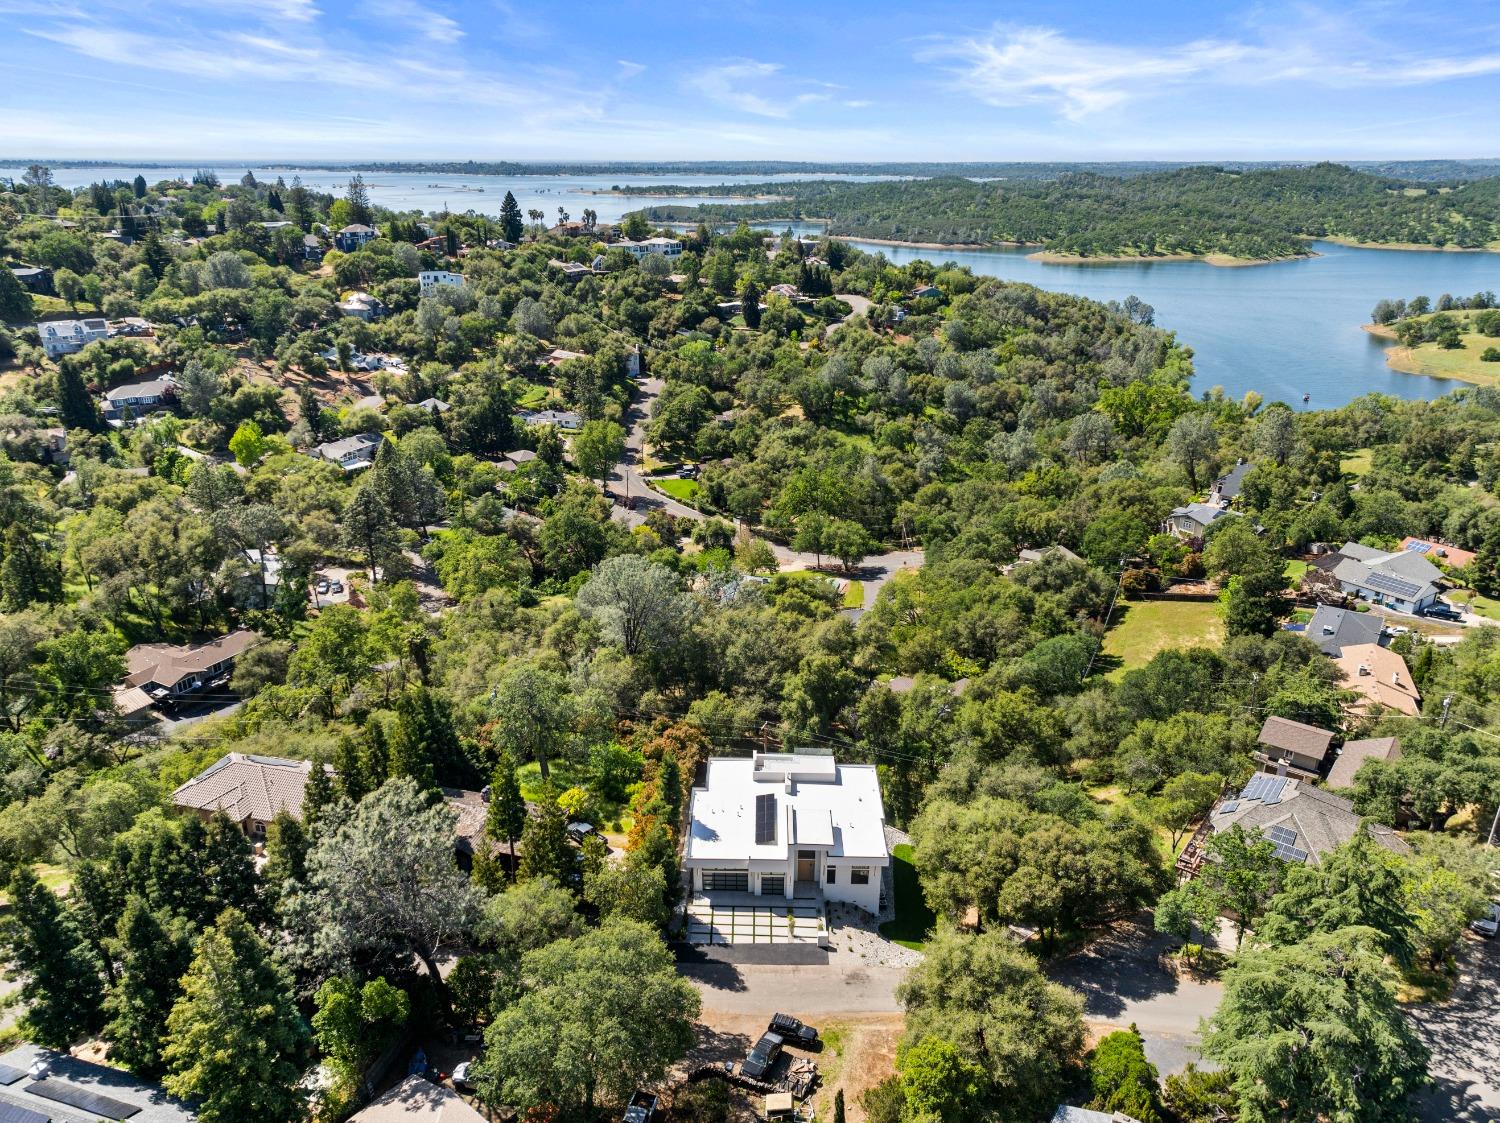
1284 330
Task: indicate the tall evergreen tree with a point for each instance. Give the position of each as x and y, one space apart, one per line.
545 850
286 862
15 301
75 407
139 186
358 198
61 978
349 765
152 958
97 897
234 1038
505 818
510 218
316 796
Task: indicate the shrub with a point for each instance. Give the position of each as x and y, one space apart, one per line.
1123 1079
1490 355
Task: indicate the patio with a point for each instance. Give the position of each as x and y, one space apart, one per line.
723 919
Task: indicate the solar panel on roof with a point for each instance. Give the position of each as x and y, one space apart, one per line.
1281 835
1418 547
14 1113
10 1074
101 1107
1389 584
1265 787
765 820
1229 805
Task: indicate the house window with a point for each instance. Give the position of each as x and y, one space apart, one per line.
773 885
830 879
727 881
859 875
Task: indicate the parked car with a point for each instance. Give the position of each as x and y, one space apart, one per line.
1488 924
793 1031
335 586
1440 611
322 586
461 1081
763 1056
642 1108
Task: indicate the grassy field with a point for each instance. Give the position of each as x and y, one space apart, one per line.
684 491
914 920
1142 629
1462 363
1357 463
1295 569
854 595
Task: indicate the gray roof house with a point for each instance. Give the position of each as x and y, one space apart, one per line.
1299 749
63 337
137 397
1304 822
1192 520
1403 579
1355 753
351 453
1334 629
166 672
40 1085
1226 488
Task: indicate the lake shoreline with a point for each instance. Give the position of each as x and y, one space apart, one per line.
1414 247
1407 360
1219 260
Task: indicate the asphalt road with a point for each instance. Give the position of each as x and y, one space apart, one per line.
1464 1037
743 988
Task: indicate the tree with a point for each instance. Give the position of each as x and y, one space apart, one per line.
750 303
353 1022
153 957
510 218
505 816
941 1085
635 889
1123 1079
15 301
358 198
75 406
848 541
597 448
533 712
287 843
43 948
636 602
986 996
1312 1031
370 530
248 444
1192 442
69 286
1185 799
1445 885
550 1048
1241 876
1276 434
545 849
138 186
383 885
198 389
235 1040
811 536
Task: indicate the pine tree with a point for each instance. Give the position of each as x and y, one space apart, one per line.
286 848
510 218
358 198
505 818
152 958
15 301
545 851
139 187
353 783
31 573
234 1038
61 978
97 898
156 256
219 221
316 796
376 754
75 407
228 872
426 743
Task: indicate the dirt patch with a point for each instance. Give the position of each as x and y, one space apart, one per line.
860 1052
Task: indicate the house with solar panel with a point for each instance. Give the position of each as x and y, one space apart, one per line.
1404 580
788 825
1303 822
44 1086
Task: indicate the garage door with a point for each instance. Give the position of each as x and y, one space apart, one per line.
773 886
727 881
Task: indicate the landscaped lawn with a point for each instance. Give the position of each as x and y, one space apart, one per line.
1142 629
1295 569
914 920
684 491
854 595
1357 463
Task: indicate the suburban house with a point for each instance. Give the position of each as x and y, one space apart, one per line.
1450 556
666 247
430 279
1290 746
571 270
34 278
355 235
1380 677
1303 822
417 1100
926 292
1226 488
352 454
558 356
1333 629
783 825
63 337
41 1085
1403 580
520 456
136 398
1194 519
1355 753
312 248
251 790
564 419
167 672
433 405
362 306
1028 556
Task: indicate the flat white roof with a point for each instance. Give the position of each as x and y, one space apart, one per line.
831 805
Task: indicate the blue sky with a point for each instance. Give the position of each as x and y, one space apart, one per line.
745 79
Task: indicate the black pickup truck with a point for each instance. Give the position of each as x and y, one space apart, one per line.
793 1031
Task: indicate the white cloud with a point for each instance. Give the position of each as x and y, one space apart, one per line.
629 69
431 25
729 83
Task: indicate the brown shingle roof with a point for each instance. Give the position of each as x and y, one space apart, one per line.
1294 737
166 664
1317 820
248 787
1355 753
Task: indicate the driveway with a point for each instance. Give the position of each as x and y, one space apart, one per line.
626 477
1122 981
841 987
1464 1036
858 306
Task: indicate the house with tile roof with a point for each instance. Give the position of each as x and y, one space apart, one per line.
1354 754
1293 747
1437 552
251 790
1380 677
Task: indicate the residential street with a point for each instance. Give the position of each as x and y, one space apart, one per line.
1464 1036
838 988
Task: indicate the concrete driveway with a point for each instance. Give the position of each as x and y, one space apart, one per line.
1122 981
1464 1036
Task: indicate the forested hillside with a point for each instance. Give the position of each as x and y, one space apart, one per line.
1255 214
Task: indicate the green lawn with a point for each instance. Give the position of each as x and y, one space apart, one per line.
533 397
1357 463
914 920
854 595
1143 629
1295 569
684 491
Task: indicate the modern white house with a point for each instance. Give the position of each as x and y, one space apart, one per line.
430 279
667 247
784 825
63 337
1399 579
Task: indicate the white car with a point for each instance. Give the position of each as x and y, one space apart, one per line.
1488 924
461 1081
